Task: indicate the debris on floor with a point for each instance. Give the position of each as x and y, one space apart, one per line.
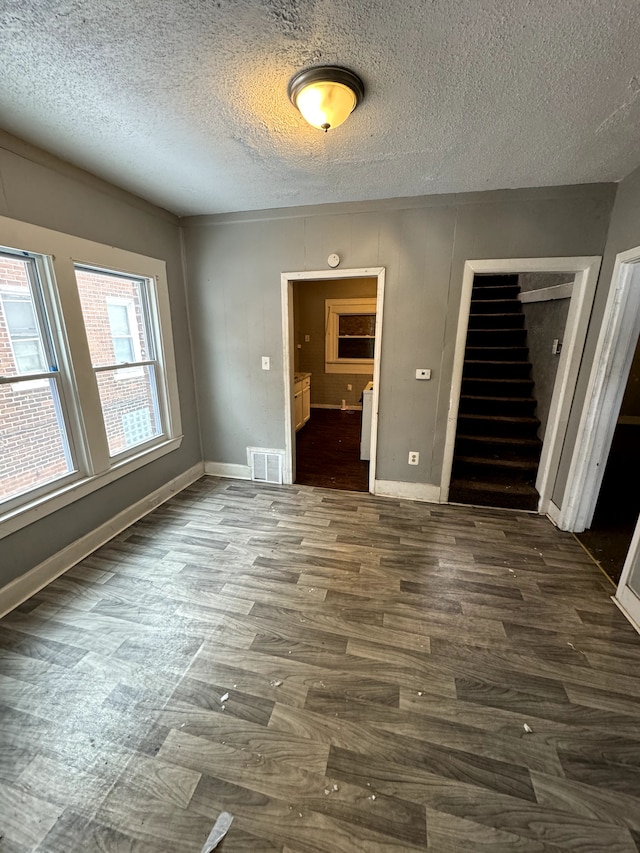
220 829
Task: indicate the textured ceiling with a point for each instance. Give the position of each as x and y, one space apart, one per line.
184 102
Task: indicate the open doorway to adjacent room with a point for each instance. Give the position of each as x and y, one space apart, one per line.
602 501
618 506
332 335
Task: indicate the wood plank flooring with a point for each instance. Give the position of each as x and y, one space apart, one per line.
381 660
328 451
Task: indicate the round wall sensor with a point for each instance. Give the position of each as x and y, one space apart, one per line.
333 260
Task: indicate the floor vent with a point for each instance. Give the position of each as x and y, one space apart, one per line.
266 465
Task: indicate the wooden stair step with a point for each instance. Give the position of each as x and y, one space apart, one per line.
511 441
515 464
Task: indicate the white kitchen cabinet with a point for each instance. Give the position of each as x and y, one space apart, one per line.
302 398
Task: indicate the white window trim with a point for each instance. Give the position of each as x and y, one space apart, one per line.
334 308
63 251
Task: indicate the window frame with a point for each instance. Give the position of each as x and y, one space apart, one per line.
56 255
334 309
123 301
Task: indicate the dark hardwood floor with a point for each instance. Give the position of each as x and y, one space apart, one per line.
328 451
400 676
616 515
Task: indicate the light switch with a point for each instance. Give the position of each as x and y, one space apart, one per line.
423 373
266 362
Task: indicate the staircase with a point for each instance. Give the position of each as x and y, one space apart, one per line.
497 450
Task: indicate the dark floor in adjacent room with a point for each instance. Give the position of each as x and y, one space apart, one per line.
614 521
341 672
328 451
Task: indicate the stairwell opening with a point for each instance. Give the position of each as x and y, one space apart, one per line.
514 338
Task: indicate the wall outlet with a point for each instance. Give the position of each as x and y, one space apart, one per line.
556 346
414 457
349 386
266 362
307 338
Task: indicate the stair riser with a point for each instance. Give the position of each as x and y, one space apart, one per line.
509 408
496 388
496 337
482 281
489 353
496 321
500 369
492 471
489 497
501 291
496 306
492 447
491 427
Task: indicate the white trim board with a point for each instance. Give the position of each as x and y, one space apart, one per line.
23 587
545 294
425 492
607 382
586 275
287 280
626 598
228 469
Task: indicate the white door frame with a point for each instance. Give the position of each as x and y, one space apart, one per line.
607 383
287 280
586 271
625 597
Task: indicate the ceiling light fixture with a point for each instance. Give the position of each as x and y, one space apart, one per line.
326 95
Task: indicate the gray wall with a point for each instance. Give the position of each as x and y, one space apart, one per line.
545 321
309 319
234 268
35 187
623 234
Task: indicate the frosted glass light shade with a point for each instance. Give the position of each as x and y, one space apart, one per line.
326 105
326 96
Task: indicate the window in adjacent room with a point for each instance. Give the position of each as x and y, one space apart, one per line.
350 335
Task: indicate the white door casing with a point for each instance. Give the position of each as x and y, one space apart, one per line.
586 271
287 280
607 382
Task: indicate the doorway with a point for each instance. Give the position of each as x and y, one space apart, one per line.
609 405
332 335
609 534
584 271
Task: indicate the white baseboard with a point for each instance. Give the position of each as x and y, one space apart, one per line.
23 587
356 408
554 513
426 492
227 469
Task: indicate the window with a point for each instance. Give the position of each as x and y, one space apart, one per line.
88 389
121 335
350 335
22 328
116 311
35 449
